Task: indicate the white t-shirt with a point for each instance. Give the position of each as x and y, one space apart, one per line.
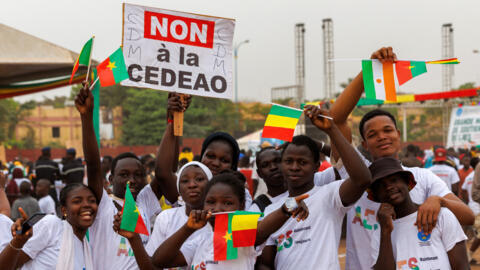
282 197
47 205
198 253
412 248
5 231
248 199
148 200
112 251
448 174
467 185
44 245
317 237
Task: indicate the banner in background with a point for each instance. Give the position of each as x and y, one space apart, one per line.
464 129
176 51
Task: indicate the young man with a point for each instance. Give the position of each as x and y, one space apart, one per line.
318 236
465 169
381 138
111 250
73 170
26 202
402 246
446 172
45 201
268 168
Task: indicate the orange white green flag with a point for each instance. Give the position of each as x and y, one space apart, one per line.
281 122
132 221
83 58
379 80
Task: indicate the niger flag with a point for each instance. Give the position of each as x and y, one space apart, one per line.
132 221
379 80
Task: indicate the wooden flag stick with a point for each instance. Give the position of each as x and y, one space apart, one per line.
89 59
178 120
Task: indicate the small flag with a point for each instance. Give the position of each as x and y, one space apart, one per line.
222 238
112 70
445 61
379 80
132 221
83 57
244 228
281 122
407 70
96 106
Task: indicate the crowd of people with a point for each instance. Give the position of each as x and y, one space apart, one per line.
405 209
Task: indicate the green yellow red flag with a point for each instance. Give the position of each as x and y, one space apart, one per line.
281 122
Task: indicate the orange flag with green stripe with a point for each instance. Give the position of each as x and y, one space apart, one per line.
379 80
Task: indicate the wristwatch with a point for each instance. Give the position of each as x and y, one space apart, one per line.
291 204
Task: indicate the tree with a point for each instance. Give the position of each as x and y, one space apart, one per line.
467 85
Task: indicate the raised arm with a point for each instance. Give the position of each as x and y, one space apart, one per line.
360 178
348 99
167 155
84 104
4 204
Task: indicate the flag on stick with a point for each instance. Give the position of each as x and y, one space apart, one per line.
407 70
281 122
132 221
244 228
112 70
379 80
83 57
445 61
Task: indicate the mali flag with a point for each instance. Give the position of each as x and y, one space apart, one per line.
281 122
244 228
112 70
132 221
83 57
407 70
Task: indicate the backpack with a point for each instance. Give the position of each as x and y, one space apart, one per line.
262 202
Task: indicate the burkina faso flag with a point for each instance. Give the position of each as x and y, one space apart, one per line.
112 70
132 221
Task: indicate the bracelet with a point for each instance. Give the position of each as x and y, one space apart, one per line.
10 244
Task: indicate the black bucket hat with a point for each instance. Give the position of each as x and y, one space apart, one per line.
387 166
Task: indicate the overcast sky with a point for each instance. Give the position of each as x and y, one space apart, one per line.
413 28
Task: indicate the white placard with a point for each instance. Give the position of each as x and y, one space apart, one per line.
464 129
177 51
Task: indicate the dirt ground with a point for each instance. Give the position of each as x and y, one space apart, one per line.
341 256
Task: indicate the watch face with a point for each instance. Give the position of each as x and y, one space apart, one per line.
291 204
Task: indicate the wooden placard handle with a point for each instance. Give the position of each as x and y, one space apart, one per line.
178 120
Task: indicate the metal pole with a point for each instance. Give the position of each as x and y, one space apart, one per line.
235 55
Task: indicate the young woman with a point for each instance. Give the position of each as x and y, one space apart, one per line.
223 193
220 152
53 243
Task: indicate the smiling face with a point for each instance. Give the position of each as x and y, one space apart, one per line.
80 207
128 170
269 163
298 167
191 185
218 156
382 139
392 189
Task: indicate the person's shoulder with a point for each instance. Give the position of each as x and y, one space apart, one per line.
50 221
5 221
274 206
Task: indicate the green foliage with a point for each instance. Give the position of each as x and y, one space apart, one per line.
56 102
467 85
11 113
144 112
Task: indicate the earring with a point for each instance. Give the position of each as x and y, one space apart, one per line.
65 215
